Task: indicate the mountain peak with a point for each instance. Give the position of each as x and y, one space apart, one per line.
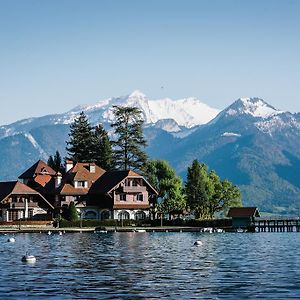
254 107
137 94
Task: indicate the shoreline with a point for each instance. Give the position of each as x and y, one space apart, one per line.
105 229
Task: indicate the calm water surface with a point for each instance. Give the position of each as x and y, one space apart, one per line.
151 266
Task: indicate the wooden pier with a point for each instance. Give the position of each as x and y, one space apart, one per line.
277 224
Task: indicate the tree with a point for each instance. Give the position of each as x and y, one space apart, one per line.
56 163
72 213
206 194
103 155
130 141
196 189
168 185
80 145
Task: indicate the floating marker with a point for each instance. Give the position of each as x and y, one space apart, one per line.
30 259
11 240
198 243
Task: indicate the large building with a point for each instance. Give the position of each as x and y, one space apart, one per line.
97 194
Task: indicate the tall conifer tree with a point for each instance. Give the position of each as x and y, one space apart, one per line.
103 155
55 162
80 145
130 141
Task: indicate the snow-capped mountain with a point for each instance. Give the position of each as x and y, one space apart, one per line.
186 113
250 142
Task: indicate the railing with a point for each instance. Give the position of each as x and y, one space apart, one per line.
134 189
21 205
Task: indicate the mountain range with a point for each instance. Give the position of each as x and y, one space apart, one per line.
250 142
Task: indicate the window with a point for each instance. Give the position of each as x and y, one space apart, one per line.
122 197
81 184
105 215
13 215
140 215
90 215
123 216
139 197
134 183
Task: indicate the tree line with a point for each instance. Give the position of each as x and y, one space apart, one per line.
203 193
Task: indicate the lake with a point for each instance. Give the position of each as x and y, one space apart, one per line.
151 266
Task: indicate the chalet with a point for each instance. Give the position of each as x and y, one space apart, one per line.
96 193
75 185
243 217
18 201
123 195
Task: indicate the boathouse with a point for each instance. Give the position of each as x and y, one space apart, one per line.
243 217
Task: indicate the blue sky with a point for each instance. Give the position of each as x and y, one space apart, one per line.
57 54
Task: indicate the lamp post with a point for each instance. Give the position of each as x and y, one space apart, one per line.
80 219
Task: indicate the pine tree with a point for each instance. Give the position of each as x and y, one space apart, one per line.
128 129
56 163
80 145
103 155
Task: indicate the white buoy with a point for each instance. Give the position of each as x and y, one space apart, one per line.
60 233
11 240
29 259
49 232
198 243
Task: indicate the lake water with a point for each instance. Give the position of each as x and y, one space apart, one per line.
152 266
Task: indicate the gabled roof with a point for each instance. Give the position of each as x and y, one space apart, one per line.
243 212
39 168
80 172
11 188
112 178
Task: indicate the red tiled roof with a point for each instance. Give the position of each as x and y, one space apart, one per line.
18 188
68 189
80 172
243 212
39 168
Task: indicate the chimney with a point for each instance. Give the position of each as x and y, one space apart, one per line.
58 178
69 165
92 168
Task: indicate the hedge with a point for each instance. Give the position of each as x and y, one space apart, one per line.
145 223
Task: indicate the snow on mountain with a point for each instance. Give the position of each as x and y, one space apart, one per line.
284 121
231 134
168 125
186 113
254 107
35 144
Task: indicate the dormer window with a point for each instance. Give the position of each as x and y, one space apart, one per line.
80 184
122 197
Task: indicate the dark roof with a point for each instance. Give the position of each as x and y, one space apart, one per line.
235 212
112 178
39 168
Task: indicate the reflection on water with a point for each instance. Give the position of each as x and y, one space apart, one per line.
151 266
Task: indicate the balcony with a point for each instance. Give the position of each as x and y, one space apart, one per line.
134 189
20 205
